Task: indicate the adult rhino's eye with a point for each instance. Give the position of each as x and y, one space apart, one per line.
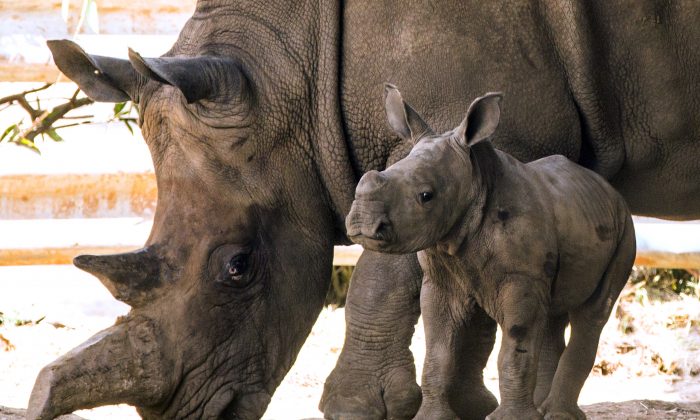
425 196
236 268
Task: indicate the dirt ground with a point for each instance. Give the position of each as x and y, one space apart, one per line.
648 362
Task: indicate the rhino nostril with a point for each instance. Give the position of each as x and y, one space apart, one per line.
381 232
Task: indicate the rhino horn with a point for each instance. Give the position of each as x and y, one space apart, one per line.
120 364
128 276
201 77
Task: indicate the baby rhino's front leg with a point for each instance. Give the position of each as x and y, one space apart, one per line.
520 308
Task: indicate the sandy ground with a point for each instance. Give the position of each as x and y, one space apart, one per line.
659 358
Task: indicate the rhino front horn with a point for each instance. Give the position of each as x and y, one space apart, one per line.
122 364
128 276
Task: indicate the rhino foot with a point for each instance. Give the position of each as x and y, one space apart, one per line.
558 410
353 394
519 413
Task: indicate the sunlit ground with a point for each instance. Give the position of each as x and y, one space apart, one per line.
657 359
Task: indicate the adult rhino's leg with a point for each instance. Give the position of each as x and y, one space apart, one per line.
375 376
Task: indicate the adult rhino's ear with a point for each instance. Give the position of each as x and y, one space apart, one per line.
201 77
482 119
403 119
103 79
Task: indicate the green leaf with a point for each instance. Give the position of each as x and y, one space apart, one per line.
53 134
118 108
11 129
128 125
23 141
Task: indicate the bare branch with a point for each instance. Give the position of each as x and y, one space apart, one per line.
17 96
33 113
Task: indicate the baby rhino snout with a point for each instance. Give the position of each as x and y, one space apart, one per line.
368 223
367 220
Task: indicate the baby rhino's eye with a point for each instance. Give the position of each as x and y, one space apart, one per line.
425 196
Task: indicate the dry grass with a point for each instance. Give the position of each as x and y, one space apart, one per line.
655 332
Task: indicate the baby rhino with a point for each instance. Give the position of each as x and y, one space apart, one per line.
532 246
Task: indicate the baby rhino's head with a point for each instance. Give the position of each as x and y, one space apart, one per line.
415 202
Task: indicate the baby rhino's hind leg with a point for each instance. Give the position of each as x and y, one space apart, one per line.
587 322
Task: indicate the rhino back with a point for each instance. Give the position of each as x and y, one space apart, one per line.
441 55
632 69
589 214
613 83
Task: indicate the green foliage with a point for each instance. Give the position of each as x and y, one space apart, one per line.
123 113
17 321
664 283
340 282
45 122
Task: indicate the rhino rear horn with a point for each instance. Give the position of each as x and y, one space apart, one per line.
128 276
202 77
103 79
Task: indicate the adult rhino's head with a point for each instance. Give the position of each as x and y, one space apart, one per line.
417 201
236 267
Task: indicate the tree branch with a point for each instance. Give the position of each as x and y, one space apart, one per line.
45 121
23 95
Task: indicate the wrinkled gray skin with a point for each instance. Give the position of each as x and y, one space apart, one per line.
533 246
258 122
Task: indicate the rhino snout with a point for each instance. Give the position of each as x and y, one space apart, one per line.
364 221
379 230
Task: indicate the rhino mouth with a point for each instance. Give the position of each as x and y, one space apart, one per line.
373 242
368 228
379 237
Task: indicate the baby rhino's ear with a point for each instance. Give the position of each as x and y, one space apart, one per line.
482 119
403 119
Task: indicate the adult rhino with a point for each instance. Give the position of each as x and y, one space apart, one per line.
260 121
